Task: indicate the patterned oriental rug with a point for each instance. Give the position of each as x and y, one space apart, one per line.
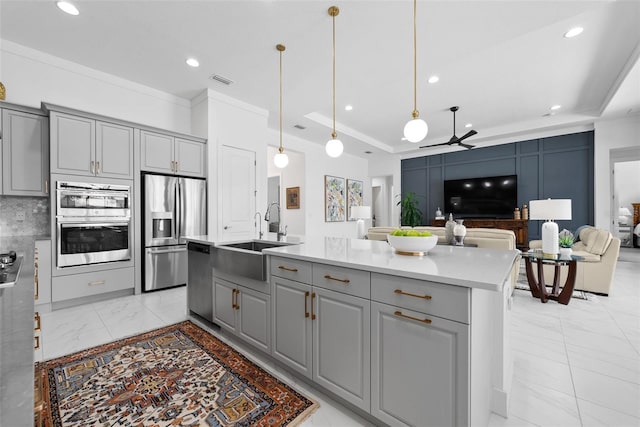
179 375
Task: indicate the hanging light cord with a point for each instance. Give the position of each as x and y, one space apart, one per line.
280 49
415 66
333 11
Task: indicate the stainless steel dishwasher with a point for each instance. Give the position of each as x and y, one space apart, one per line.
199 281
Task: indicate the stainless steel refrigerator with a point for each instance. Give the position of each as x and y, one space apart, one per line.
173 207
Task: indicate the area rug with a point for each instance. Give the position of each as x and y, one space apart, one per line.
179 375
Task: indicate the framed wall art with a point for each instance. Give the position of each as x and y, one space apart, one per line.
354 196
334 199
293 198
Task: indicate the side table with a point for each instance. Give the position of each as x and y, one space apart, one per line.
538 286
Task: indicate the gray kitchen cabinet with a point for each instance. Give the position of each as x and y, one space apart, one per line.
243 311
173 155
419 368
324 334
25 153
87 284
88 147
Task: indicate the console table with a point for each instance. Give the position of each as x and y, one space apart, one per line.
520 227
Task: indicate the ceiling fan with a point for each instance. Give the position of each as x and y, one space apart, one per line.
454 139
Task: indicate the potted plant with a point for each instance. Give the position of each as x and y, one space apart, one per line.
409 213
565 241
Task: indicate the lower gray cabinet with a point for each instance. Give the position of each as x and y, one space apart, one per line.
243 311
419 368
325 336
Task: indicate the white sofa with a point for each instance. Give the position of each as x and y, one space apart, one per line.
600 251
483 237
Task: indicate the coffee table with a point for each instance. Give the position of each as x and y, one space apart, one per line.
538 286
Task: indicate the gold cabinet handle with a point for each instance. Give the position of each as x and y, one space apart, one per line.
233 296
313 315
93 168
36 317
399 314
97 168
37 346
96 282
408 294
46 186
306 310
329 277
177 166
293 270
237 295
36 281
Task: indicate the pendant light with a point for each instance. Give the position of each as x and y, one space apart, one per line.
416 129
334 146
281 160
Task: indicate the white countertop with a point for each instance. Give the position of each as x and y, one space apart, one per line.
268 237
481 268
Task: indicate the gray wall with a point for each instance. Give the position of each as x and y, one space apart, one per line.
559 167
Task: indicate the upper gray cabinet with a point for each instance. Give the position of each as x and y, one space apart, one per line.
83 146
25 153
172 155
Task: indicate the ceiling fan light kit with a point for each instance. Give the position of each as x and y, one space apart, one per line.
334 146
416 129
281 160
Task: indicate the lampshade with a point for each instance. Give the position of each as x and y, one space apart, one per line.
550 209
361 212
624 212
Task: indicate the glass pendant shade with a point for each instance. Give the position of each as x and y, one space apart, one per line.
415 130
281 160
334 147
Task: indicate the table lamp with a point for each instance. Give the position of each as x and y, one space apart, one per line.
360 213
623 216
550 210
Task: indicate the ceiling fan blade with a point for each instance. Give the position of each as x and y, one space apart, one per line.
467 146
467 135
436 145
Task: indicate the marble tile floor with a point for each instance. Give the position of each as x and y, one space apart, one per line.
574 365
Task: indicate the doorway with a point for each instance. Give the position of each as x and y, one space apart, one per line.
625 175
382 201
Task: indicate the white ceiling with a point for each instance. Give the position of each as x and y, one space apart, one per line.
504 63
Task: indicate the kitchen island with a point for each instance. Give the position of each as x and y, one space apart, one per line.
407 340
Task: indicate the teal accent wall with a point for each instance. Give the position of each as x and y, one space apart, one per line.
559 167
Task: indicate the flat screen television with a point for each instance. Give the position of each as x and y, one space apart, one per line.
488 197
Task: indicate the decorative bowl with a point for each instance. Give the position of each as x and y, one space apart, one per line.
412 245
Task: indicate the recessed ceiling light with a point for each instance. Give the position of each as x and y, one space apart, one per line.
67 7
555 107
468 125
433 79
192 62
348 107
573 32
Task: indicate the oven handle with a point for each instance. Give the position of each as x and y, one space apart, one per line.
98 220
166 251
64 224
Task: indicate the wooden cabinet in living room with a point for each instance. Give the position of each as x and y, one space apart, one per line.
24 152
172 155
88 147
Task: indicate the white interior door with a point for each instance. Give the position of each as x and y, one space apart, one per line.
238 188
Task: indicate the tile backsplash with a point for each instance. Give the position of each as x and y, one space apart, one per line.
36 222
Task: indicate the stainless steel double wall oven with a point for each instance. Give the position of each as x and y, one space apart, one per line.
93 223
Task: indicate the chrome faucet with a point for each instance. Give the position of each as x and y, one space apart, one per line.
267 216
259 223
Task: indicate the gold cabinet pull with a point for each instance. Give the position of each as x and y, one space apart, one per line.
93 168
37 346
233 294
46 186
177 166
313 315
237 295
97 168
96 282
293 270
408 294
36 317
306 309
329 277
399 314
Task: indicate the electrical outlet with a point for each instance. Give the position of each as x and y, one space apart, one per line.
20 216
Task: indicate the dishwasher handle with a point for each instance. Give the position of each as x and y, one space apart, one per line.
198 247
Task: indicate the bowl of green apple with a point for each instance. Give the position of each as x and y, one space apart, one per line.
411 242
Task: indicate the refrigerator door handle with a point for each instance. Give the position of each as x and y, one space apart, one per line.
179 210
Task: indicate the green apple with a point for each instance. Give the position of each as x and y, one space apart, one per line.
425 234
413 233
